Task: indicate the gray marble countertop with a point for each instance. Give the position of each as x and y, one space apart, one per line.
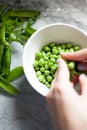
27 110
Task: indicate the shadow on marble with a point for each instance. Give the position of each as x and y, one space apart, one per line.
30 109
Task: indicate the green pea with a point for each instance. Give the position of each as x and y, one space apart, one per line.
38 73
59 48
48 85
46 48
55 56
42 69
38 55
52 60
41 77
59 56
71 65
46 58
43 81
62 50
46 72
71 50
68 45
48 54
55 51
46 67
63 46
37 68
55 47
35 64
13 37
52 44
50 64
53 68
49 78
76 48
41 62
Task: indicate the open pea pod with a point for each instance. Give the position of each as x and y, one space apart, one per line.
15 73
7 86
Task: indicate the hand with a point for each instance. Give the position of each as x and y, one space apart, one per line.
67 108
80 56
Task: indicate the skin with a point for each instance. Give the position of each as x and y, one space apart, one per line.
79 56
67 108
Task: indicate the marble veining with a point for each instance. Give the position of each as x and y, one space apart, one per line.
27 110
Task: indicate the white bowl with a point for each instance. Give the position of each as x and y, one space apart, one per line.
60 33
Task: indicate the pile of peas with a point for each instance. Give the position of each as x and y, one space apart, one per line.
45 64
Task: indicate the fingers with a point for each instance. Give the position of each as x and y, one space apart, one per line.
77 56
61 85
83 84
62 73
82 66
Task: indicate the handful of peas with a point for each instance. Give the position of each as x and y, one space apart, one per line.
45 64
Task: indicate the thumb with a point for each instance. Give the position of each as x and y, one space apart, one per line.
62 74
83 84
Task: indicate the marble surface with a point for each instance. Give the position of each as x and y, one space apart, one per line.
27 110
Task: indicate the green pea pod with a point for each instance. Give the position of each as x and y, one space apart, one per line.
15 73
2 33
1 54
30 30
7 86
2 36
2 9
6 62
23 13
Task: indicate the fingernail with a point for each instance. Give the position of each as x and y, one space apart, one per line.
59 60
63 53
83 76
81 67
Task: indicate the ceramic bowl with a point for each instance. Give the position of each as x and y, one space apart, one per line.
59 33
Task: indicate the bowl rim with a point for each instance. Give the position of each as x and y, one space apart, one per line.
57 24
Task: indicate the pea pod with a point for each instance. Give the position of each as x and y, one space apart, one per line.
2 9
2 36
23 13
30 30
7 86
1 54
2 33
15 73
6 62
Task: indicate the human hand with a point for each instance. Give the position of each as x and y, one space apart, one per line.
80 56
67 108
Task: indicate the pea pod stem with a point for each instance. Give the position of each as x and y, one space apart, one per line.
7 86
